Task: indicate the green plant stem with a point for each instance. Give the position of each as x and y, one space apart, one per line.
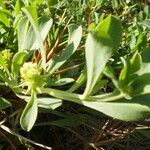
62 94
108 97
77 98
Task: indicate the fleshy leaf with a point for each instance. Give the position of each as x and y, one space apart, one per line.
75 34
31 13
44 27
26 35
112 26
17 62
99 48
128 110
49 103
22 31
135 63
29 114
141 84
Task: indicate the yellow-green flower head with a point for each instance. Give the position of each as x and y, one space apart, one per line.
31 75
7 57
7 54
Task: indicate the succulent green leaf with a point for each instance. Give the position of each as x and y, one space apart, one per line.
128 110
75 35
141 84
49 103
17 62
98 49
26 36
131 67
125 69
135 63
112 26
63 81
31 13
45 102
22 29
44 27
29 114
